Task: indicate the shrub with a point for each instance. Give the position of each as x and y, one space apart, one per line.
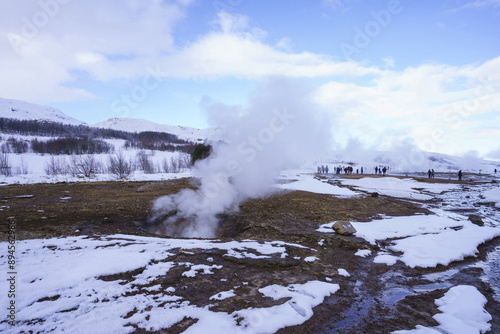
119 166
201 151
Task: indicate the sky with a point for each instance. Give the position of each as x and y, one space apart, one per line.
389 74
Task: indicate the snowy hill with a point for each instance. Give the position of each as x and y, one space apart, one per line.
28 111
138 125
23 110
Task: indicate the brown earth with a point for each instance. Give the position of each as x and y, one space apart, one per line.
124 207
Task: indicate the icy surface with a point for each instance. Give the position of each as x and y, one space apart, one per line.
310 184
404 188
493 195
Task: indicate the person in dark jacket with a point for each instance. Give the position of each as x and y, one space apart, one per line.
460 175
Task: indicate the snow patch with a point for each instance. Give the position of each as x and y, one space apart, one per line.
462 310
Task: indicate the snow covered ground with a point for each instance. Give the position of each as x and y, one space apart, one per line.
463 312
305 182
62 289
35 165
24 110
395 187
426 240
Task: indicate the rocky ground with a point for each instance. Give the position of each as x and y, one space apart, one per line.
375 298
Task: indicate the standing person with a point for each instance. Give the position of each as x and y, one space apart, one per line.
362 170
326 169
319 170
384 170
460 175
430 173
376 170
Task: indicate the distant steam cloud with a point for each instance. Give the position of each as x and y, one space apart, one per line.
279 128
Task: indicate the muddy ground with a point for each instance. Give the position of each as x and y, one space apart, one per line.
362 304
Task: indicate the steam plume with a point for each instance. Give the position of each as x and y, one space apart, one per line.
279 128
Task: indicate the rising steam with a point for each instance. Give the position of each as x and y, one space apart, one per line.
279 128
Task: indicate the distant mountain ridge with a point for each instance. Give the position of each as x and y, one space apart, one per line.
138 124
24 110
28 111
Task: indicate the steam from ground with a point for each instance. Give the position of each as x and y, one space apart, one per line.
279 128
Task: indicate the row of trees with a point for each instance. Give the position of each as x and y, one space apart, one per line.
86 145
88 165
83 145
117 164
146 139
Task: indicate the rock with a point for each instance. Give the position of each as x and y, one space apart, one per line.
475 219
343 227
375 194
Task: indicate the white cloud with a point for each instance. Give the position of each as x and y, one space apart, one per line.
339 5
477 4
443 108
284 43
389 61
42 43
97 37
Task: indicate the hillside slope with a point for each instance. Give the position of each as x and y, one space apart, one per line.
138 125
24 110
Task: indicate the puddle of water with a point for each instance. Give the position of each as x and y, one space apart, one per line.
441 275
491 268
391 296
358 310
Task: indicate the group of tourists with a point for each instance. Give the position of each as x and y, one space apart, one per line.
322 169
379 170
431 173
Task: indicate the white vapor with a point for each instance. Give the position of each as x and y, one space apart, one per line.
279 128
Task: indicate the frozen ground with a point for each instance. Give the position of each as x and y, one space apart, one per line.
63 287
64 283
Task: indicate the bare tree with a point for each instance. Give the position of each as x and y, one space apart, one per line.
175 164
166 166
185 161
23 168
119 165
84 164
56 166
5 148
5 167
145 163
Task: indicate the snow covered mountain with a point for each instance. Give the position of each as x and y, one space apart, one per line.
24 110
28 111
138 125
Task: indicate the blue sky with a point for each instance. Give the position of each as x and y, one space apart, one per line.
387 72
